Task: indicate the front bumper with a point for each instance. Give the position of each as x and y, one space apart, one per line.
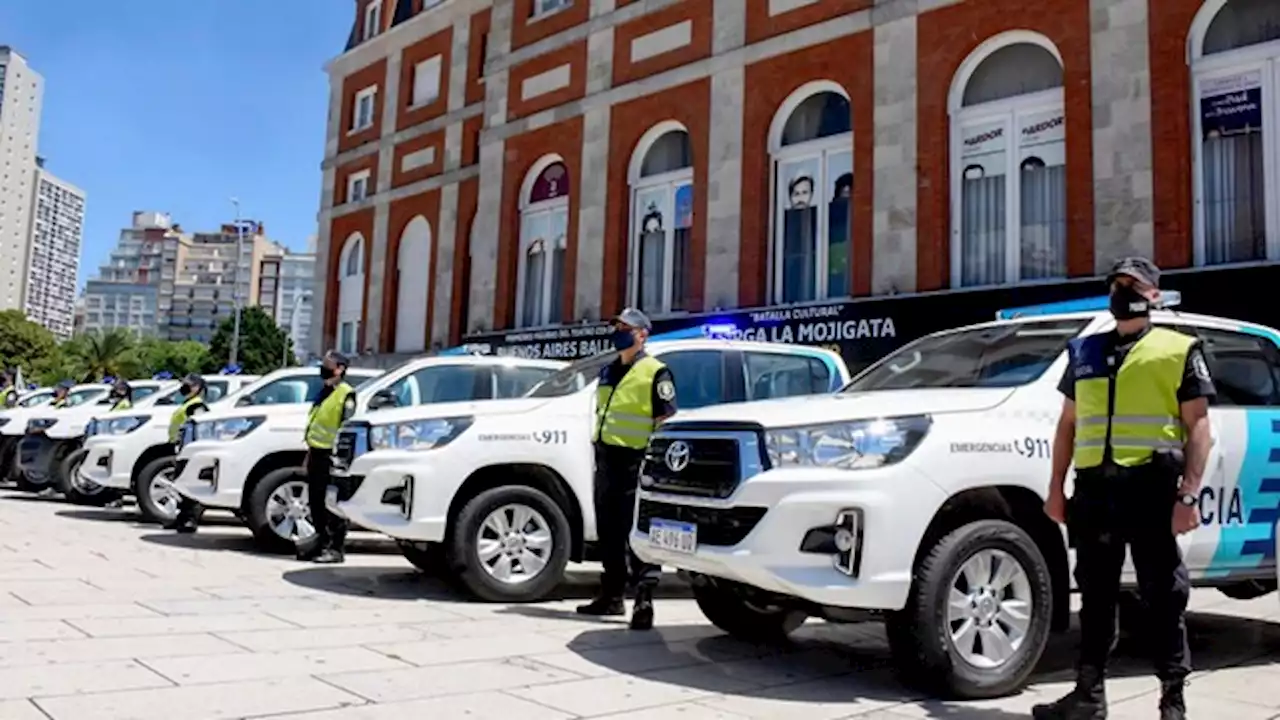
395 493
213 474
755 536
110 461
36 457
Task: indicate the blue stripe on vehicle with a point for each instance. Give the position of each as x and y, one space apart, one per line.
1252 545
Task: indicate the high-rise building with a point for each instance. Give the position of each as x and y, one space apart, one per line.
209 278
21 96
57 227
126 292
284 291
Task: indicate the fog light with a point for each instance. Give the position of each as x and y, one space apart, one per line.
844 540
105 461
406 506
848 541
209 474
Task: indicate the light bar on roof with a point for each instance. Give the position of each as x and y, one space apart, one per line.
1168 299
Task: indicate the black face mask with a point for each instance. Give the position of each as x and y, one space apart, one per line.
185 390
327 373
1128 304
623 339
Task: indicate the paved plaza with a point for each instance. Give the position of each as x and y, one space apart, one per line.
105 619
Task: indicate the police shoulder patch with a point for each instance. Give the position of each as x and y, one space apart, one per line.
1199 366
666 389
349 407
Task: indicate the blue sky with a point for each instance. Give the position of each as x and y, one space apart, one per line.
179 105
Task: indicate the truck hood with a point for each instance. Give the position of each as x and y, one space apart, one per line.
819 409
271 411
19 417
482 408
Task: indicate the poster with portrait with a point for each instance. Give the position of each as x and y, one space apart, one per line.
683 207
799 196
651 221
798 183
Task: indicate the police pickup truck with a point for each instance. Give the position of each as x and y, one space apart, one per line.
27 426
916 495
15 414
247 458
499 494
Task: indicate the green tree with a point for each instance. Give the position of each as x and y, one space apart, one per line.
23 343
108 353
263 345
155 355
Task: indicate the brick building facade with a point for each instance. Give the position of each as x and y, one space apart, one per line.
512 171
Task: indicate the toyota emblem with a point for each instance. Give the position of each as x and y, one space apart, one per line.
677 456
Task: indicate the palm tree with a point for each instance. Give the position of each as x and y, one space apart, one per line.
107 353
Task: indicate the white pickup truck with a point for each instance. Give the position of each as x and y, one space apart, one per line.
27 425
444 480
248 459
9 443
915 495
123 451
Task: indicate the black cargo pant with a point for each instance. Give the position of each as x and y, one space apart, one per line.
331 530
616 479
1133 507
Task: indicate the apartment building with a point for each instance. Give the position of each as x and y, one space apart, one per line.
126 293
284 291
210 277
57 230
851 173
21 98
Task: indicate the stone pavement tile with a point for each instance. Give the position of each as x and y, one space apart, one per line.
681 711
246 589
1255 685
825 699
180 624
1013 706
232 667
65 593
480 706
244 605
1200 705
300 639
75 612
600 696
20 710
44 652
741 675
601 662
44 680
224 701
460 678
42 630
349 618
441 652
490 628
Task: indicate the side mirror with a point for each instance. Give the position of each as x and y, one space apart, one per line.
382 399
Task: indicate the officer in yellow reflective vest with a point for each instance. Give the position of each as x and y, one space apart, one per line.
60 393
1135 424
335 403
193 391
121 396
636 393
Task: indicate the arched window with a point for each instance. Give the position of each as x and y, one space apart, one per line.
661 181
413 292
1235 64
544 224
1008 163
811 144
351 294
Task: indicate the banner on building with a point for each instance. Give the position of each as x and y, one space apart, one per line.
1231 105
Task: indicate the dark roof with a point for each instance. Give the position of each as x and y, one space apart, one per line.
404 11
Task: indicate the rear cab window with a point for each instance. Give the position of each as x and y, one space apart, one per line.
777 375
1245 367
440 384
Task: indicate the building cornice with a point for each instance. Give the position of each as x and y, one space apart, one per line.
399 37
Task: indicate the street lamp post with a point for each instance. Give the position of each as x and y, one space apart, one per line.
235 293
294 329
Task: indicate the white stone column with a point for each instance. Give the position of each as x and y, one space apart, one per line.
593 180
724 162
320 280
377 270
894 166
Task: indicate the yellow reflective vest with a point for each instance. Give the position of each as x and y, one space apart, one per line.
1145 415
624 414
122 404
326 418
180 416
58 403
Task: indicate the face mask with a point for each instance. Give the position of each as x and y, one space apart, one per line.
185 389
623 339
326 373
1128 304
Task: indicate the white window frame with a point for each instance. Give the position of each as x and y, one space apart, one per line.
671 181
547 8
358 181
529 210
1263 58
348 315
780 155
429 68
373 19
1006 111
371 94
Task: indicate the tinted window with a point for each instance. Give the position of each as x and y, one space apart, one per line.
775 375
80 397
288 391
573 378
512 382
442 383
992 356
699 376
1243 367
144 392
215 390
37 399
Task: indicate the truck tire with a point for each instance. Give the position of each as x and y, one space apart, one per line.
155 507
427 557
269 521
61 451
518 524
987 645
80 491
733 613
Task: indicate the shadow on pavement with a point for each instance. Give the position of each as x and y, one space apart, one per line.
243 542
129 514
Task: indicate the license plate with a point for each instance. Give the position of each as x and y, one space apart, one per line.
675 536
331 495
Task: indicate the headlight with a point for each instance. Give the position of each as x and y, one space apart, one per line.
116 426
417 434
855 445
227 430
40 424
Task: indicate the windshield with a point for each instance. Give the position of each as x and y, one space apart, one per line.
573 378
80 397
36 398
995 356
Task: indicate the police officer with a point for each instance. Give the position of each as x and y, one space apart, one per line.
60 395
8 388
636 393
121 396
1135 423
193 391
336 403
